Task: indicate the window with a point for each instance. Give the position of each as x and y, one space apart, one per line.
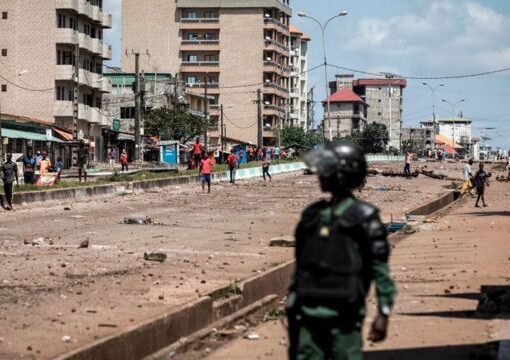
192 80
4 88
210 15
192 58
192 36
70 94
61 93
192 14
67 58
73 24
4 52
61 21
212 79
4 15
127 112
209 36
210 58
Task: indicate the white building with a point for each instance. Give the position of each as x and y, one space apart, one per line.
298 78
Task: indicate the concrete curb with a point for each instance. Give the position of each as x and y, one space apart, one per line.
154 335
108 189
433 206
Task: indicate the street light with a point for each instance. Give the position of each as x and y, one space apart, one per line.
433 90
323 31
453 105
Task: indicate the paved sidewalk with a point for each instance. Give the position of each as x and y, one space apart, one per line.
439 271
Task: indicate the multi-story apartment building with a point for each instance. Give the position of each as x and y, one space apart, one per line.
39 42
383 97
298 78
235 47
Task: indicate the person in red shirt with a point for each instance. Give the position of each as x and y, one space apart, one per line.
197 152
124 160
232 164
206 165
250 153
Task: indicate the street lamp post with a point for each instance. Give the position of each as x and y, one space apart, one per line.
323 31
433 90
453 105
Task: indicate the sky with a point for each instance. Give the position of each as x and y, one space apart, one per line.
418 38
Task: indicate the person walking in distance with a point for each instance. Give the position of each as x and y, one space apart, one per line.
232 165
83 156
124 160
341 247
481 179
407 167
206 165
28 168
197 152
467 175
265 167
9 173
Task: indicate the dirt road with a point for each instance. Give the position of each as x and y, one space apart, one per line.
55 296
439 271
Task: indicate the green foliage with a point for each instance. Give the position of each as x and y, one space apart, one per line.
372 139
175 124
291 135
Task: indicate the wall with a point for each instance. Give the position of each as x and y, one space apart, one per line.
28 35
151 28
241 62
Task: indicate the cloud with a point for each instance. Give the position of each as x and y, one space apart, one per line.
456 36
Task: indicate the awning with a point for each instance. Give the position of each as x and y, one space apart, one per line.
65 135
19 134
126 137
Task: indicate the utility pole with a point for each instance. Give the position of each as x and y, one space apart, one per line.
76 74
222 134
206 103
260 121
138 107
309 109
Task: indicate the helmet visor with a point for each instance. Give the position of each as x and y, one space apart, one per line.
322 162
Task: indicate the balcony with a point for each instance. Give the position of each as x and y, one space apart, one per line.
199 23
272 88
272 45
63 108
64 73
84 8
200 66
212 88
274 24
294 92
200 45
107 20
273 110
93 45
272 66
107 51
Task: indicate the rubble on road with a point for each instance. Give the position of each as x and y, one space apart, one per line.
134 221
159 257
283 241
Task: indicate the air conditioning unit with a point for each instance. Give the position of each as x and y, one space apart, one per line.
268 59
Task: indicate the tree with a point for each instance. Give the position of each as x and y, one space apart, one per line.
175 124
373 138
291 135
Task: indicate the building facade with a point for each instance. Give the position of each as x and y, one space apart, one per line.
297 115
232 48
458 129
348 114
41 43
384 98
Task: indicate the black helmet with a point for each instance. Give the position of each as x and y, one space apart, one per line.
344 160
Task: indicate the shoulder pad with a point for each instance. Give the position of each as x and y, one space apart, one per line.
313 210
357 213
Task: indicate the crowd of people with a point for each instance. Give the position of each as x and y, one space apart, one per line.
204 161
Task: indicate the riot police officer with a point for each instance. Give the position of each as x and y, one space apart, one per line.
341 247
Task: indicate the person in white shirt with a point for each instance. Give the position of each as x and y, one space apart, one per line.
467 186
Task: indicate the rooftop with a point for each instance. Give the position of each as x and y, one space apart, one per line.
294 30
344 96
380 82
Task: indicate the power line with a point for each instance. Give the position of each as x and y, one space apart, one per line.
445 77
237 126
25 88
